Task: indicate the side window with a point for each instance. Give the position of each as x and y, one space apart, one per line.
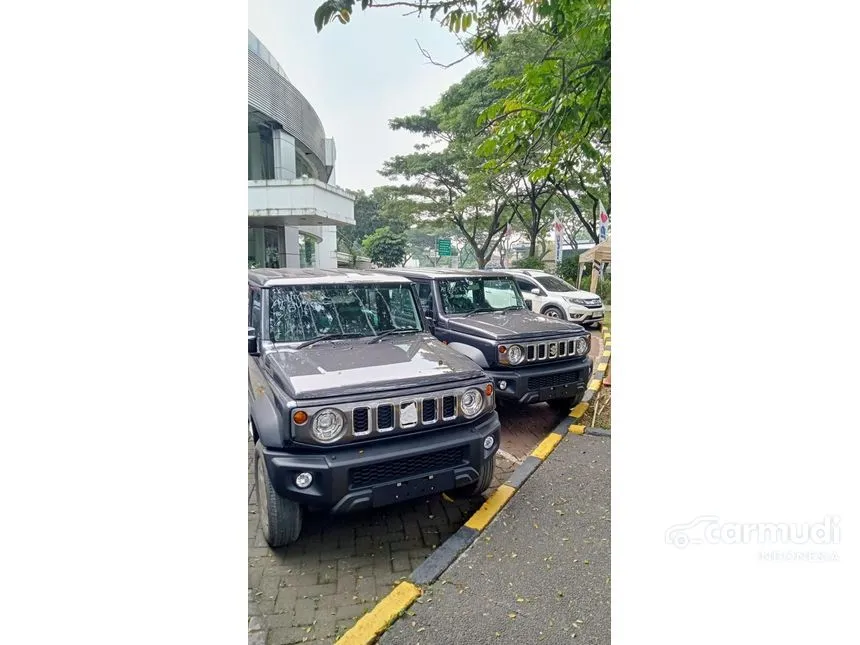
525 286
425 295
255 313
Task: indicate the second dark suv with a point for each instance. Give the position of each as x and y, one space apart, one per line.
530 357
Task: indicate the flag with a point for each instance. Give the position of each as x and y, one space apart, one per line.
557 229
602 223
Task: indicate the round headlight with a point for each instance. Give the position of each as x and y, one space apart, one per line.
515 354
472 402
328 425
581 346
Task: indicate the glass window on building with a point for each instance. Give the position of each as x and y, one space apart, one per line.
307 251
272 250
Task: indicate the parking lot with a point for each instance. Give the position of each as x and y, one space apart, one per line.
313 590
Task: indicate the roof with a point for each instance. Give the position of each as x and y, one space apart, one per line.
602 253
281 277
514 272
433 273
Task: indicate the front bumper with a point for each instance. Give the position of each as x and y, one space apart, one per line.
367 476
544 382
584 315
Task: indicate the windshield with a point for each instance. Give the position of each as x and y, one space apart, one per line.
551 283
303 312
465 295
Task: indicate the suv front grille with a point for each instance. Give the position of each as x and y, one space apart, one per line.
593 304
550 350
390 471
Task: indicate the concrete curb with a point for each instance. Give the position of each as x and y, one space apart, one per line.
373 624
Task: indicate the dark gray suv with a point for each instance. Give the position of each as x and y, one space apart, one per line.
352 404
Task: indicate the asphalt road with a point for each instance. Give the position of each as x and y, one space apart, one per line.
540 572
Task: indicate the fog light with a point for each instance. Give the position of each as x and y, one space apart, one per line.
303 480
503 385
488 442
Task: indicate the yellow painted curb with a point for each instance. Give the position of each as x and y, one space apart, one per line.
606 354
601 367
493 505
546 446
576 429
579 410
377 620
594 385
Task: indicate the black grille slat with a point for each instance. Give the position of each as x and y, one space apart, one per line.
385 416
360 420
530 353
550 380
571 347
389 471
449 406
428 410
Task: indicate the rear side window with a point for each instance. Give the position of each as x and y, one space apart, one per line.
525 286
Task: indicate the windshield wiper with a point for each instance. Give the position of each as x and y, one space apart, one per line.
402 330
326 337
480 310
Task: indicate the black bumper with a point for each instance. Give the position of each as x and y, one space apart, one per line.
359 477
536 383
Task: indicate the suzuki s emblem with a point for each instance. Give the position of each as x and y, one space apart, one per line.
553 350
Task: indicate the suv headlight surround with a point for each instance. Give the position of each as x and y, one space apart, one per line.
576 301
472 402
582 345
328 426
516 354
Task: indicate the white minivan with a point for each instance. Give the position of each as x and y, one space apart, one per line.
553 297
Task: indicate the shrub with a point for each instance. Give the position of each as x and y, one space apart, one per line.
530 262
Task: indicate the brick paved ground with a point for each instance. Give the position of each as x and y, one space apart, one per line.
313 590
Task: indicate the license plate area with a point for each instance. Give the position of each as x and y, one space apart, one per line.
411 488
557 392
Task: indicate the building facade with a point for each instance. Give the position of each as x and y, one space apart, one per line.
294 206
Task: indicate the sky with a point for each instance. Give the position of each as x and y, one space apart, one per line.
360 75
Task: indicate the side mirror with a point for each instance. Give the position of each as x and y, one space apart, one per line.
428 313
253 348
536 291
528 303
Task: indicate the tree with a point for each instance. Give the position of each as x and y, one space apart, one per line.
385 247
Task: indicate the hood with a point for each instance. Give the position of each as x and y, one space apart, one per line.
576 293
351 366
513 325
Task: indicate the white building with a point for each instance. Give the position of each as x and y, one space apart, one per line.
293 205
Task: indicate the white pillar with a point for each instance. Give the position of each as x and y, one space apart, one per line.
291 247
327 248
284 151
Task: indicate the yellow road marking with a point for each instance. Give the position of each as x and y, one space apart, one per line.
601 367
372 624
579 410
594 385
545 447
576 429
493 505
606 354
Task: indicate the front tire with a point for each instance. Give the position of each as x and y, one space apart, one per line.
280 518
554 312
485 478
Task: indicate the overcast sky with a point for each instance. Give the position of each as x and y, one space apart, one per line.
360 75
